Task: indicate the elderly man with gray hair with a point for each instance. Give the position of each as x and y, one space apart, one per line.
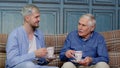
25 46
85 48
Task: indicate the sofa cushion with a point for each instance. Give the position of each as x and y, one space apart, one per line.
2 60
56 41
112 39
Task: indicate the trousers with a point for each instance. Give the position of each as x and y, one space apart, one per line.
98 65
30 64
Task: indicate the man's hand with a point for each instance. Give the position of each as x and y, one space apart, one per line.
70 53
42 52
86 61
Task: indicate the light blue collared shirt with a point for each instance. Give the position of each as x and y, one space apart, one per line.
18 44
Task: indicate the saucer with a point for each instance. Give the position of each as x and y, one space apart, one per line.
76 61
51 57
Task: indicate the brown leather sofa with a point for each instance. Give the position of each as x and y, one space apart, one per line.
112 38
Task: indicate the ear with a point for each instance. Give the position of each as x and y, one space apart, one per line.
27 18
92 28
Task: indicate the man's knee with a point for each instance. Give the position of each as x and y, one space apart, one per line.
68 65
25 65
102 65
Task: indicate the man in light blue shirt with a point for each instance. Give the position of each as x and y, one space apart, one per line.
25 46
91 43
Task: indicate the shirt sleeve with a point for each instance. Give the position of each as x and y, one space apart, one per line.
102 53
64 49
42 61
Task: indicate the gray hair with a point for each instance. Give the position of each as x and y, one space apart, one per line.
91 19
26 10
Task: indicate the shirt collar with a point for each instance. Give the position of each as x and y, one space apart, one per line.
88 37
36 32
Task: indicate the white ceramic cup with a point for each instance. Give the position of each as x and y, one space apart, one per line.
78 55
50 51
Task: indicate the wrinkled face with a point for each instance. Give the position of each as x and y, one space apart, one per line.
84 29
34 19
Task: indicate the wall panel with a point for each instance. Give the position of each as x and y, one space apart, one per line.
14 1
119 18
10 20
105 19
119 2
76 1
0 22
46 1
49 20
71 17
104 2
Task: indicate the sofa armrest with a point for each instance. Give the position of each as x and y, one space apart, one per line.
2 60
114 59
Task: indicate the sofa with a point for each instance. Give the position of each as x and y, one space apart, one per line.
112 39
